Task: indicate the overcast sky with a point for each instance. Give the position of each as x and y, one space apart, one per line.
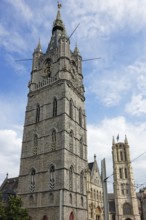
115 85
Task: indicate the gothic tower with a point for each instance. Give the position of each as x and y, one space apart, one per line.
124 190
52 180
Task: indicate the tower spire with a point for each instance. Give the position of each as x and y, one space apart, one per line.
39 47
126 140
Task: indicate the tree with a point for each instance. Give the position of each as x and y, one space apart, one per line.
12 210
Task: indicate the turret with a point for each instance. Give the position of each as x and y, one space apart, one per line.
78 59
36 55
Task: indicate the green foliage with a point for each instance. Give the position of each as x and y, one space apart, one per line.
12 210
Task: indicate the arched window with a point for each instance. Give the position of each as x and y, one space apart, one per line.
52 177
45 218
80 117
32 183
94 194
122 188
54 107
53 139
81 148
51 198
38 113
127 209
126 173
82 201
71 108
71 217
81 182
100 196
121 155
71 140
70 198
71 178
121 173
35 146
97 195
91 194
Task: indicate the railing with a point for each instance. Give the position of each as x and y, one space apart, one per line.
46 82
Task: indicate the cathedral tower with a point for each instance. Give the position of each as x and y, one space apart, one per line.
52 180
124 189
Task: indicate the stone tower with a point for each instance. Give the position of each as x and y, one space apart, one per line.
124 190
52 180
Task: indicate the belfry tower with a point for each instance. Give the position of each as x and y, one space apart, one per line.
52 180
124 190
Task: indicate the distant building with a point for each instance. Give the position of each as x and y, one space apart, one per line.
56 182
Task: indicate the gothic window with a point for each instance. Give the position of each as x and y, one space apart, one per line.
32 183
82 202
81 182
91 193
100 196
35 146
70 198
53 136
71 217
45 217
71 140
71 108
52 177
94 194
38 113
125 155
51 198
127 188
117 155
91 212
127 210
97 195
71 178
121 173
80 117
81 148
54 107
122 189
121 155
126 173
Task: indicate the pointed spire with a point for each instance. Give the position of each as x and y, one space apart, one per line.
58 23
38 48
94 157
113 143
58 17
76 50
126 140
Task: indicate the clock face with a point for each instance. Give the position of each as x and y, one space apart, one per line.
46 70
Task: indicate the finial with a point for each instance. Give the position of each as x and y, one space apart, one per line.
76 50
126 141
94 157
7 175
38 48
59 5
113 140
117 137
